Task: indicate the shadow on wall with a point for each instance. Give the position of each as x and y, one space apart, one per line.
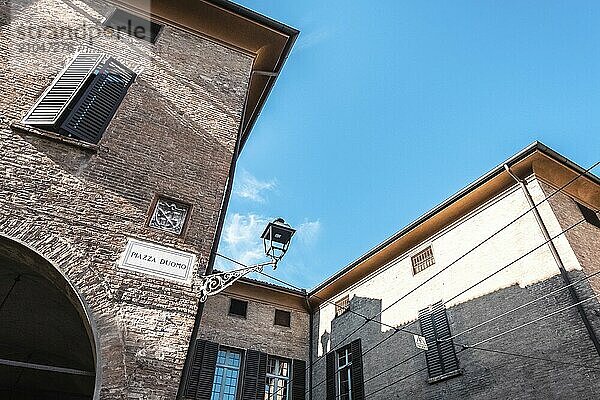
344 325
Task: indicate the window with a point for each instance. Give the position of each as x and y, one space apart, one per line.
238 307
277 381
342 305
135 26
344 374
344 370
590 215
169 215
83 98
422 260
442 362
282 318
226 375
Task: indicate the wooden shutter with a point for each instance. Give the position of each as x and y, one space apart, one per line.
330 375
50 106
298 380
255 373
98 104
441 356
358 385
200 377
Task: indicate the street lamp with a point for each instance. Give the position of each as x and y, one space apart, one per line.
276 240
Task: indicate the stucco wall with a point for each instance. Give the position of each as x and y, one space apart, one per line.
174 134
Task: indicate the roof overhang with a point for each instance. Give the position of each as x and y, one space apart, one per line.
230 24
536 159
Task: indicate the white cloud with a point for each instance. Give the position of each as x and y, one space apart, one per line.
311 39
308 232
241 238
251 188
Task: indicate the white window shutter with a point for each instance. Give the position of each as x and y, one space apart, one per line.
50 106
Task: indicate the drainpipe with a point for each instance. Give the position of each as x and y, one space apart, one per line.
561 266
310 346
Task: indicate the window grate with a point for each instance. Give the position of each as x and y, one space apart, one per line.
342 305
422 260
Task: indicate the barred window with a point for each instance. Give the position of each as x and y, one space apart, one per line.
422 260
342 305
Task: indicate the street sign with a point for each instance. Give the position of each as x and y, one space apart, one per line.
420 342
158 260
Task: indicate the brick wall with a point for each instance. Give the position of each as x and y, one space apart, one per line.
174 134
257 331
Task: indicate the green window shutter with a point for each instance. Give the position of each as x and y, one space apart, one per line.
49 108
98 104
255 373
330 375
441 356
298 379
200 377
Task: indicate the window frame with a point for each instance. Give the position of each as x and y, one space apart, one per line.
277 378
225 367
343 369
289 318
231 300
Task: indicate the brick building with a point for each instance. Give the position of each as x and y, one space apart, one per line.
502 297
121 123
120 126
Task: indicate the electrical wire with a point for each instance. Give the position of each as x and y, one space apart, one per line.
470 251
504 267
346 309
522 306
527 356
534 321
395 382
546 198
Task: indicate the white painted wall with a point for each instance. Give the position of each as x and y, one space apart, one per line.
396 278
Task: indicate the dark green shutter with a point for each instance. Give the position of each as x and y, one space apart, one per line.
298 380
255 373
98 104
49 108
358 385
201 374
441 356
330 375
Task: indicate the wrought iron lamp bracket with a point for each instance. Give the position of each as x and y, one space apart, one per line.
215 283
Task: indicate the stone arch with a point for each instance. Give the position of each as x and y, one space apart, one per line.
53 315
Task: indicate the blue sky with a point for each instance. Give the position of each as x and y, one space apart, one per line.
383 112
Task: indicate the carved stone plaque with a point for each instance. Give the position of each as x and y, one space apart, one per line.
169 215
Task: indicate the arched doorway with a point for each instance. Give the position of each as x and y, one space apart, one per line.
46 344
